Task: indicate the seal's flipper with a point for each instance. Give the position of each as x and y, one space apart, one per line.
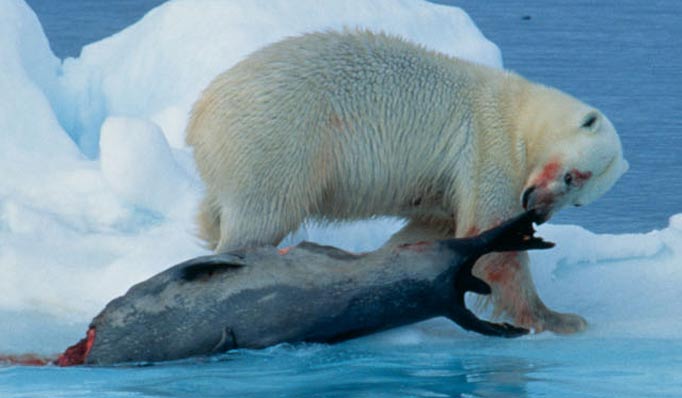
476 285
514 235
228 341
464 282
207 266
467 320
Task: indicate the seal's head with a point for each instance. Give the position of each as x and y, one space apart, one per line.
574 154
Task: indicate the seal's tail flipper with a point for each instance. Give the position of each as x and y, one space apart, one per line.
514 235
468 321
458 313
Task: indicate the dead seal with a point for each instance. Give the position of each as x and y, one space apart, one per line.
313 293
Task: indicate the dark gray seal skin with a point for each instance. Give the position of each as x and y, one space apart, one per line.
313 293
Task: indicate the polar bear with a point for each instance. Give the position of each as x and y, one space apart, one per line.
349 125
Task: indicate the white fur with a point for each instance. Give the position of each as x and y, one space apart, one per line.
350 125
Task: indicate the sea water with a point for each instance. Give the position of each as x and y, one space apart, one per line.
621 56
371 367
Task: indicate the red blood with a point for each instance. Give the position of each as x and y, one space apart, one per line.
549 173
472 231
285 250
502 268
579 177
77 353
418 246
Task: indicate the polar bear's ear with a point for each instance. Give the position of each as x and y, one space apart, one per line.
591 121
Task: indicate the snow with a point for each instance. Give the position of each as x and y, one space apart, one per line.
98 190
128 143
625 285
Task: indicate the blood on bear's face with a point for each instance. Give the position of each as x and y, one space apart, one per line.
580 170
551 189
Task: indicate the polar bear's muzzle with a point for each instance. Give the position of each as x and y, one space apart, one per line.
553 188
545 190
539 200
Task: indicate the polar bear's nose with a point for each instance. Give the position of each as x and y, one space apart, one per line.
541 199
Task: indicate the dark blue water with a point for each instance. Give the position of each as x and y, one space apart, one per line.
624 57
71 24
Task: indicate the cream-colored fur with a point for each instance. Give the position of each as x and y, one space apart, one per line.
350 125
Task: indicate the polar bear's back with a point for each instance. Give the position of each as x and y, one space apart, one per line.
338 126
378 97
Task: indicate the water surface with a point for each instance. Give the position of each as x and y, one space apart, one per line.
384 367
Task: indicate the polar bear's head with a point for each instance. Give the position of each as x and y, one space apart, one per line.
573 152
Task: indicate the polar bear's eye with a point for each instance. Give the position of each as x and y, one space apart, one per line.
568 178
590 121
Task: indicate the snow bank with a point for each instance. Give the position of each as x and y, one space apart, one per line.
625 285
125 145
98 190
